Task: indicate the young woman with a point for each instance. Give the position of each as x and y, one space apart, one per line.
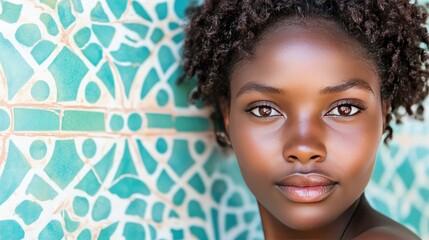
303 91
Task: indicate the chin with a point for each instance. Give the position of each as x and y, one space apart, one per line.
306 222
305 218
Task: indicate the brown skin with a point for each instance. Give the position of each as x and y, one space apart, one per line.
287 115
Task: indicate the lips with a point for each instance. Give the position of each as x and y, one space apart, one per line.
306 188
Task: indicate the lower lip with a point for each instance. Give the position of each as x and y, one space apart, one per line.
306 194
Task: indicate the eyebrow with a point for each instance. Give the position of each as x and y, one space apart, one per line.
352 83
256 87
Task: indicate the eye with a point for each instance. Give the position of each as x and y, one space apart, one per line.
346 109
263 111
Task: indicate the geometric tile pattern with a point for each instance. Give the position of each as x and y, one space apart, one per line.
98 142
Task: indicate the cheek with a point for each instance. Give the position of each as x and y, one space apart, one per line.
354 153
258 150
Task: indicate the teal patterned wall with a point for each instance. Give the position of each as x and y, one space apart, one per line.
98 142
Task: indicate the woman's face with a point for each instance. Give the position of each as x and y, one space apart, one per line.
305 119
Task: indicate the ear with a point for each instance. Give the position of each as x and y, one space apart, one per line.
224 108
385 109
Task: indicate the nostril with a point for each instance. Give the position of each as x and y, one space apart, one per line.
315 157
292 158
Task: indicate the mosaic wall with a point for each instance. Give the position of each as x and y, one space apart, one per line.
98 142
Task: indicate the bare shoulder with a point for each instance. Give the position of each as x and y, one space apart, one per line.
371 224
387 233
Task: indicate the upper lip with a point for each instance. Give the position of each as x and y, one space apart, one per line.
306 180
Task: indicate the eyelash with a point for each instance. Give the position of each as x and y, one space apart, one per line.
349 102
260 105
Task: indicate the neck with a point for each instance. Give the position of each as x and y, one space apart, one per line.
274 229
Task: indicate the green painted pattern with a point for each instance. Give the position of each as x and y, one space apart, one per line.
97 141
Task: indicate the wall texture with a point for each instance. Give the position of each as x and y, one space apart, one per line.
97 141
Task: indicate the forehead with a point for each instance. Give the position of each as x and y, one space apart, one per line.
312 47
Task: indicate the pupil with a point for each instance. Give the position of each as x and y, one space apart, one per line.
345 110
265 111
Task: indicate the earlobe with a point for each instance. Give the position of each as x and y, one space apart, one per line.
224 108
385 110
222 131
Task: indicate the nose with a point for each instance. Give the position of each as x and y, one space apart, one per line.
304 141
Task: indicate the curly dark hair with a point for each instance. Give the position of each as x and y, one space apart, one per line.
393 33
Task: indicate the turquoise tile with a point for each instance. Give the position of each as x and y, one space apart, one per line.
152 78
138 28
126 166
4 120
70 225
28 34
156 120
80 206
89 184
158 212
180 160
17 74
40 90
64 164
164 182
68 71
161 10
82 37
92 92
199 232
52 231
42 51
77 5
157 35
41 120
50 24
40 189
218 190
65 13
197 183
83 121
134 231
104 166
134 122
11 230
14 171
11 12
128 74
107 232
106 76
149 161
230 222
137 208
51 3
129 54
235 200
128 186
102 208
179 197
117 7
192 124
29 211
139 9
195 210
180 7
166 58
98 14
94 53
85 235
104 34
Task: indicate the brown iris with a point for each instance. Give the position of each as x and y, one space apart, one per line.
344 110
265 111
